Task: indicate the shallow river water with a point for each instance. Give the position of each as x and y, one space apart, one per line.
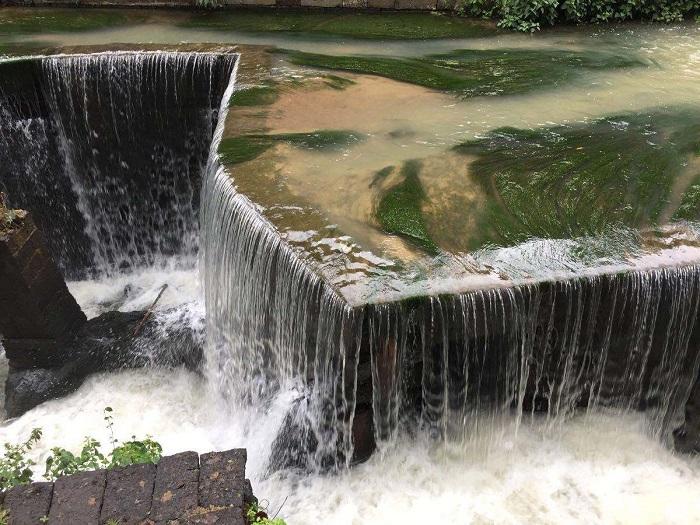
599 467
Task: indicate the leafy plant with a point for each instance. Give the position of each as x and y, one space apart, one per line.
4 516
258 514
15 467
531 15
62 462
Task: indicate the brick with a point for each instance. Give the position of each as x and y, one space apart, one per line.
222 478
28 504
77 499
128 493
176 486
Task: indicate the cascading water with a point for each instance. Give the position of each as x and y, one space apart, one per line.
108 150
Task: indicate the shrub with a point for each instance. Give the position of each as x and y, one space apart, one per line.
531 15
15 467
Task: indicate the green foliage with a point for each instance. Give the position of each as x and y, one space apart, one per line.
15 467
4 516
403 26
62 462
236 150
257 514
531 15
134 452
473 73
400 208
573 181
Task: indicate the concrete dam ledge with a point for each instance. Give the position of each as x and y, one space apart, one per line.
183 489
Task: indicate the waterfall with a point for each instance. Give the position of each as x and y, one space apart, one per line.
108 150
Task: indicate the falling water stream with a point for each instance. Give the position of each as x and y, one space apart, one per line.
481 449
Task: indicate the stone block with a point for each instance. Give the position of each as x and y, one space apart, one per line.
28 504
222 478
381 4
128 493
176 487
446 5
422 5
288 3
250 2
321 3
77 499
355 4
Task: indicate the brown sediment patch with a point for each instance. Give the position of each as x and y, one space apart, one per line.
368 105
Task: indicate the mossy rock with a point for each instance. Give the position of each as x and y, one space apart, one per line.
394 26
41 20
473 73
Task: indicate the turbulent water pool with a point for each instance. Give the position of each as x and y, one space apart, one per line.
515 159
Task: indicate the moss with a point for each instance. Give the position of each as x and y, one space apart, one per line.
403 26
254 96
316 140
236 150
564 182
245 148
474 72
381 175
689 210
336 82
42 20
399 209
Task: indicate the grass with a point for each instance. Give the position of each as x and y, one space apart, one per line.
390 26
571 181
399 209
236 150
474 72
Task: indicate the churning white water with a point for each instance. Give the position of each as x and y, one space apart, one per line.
600 468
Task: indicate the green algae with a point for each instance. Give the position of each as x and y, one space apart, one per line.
254 96
400 208
336 82
42 20
573 181
236 150
475 72
394 26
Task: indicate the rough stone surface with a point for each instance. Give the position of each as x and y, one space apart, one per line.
28 504
77 499
176 487
225 516
128 494
36 309
687 437
221 478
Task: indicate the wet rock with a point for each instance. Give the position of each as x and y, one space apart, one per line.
105 343
127 498
687 438
176 487
28 504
